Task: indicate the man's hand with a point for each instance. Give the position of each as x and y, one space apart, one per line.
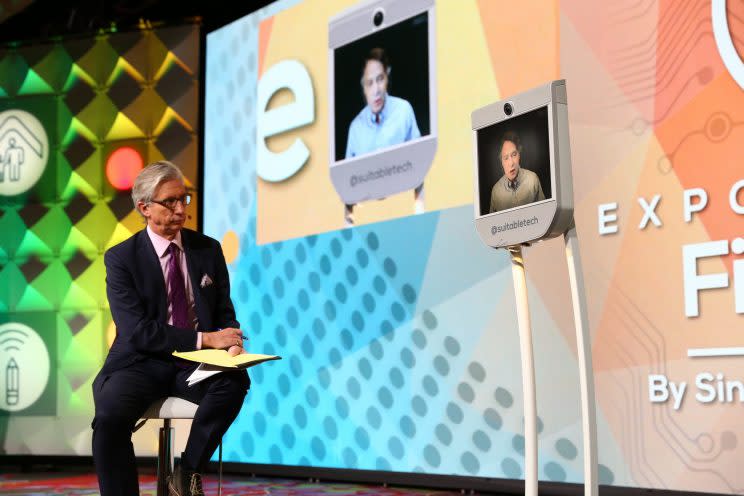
236 350
223 339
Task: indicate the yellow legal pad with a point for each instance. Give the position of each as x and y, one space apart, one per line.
221 358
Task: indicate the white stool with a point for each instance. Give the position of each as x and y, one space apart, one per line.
168 409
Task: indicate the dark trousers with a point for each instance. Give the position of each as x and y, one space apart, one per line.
121 397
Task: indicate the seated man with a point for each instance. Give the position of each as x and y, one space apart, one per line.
168 290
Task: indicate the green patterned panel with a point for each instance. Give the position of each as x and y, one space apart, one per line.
54 68
34 85
13 70
92 97
53 228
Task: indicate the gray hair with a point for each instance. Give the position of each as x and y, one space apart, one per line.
150 178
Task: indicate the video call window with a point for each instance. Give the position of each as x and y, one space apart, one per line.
381 89
514 162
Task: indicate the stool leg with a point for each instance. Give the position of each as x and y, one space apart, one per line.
219 479
165 457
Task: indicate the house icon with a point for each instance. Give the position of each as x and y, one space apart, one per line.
24 151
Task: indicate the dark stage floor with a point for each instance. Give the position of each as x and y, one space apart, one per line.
84 484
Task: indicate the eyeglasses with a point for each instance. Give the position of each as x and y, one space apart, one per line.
170 203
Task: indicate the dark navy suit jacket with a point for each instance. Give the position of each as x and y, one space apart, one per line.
139 301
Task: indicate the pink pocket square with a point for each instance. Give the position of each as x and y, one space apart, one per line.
205 281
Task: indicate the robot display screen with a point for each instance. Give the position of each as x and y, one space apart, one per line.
381 89
514 158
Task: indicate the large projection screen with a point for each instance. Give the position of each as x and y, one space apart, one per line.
399 335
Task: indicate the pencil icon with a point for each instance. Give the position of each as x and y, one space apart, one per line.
11 382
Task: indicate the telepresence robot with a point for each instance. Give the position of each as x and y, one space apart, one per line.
383 119
524 194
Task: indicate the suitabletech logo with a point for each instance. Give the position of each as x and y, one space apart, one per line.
24 151
24 366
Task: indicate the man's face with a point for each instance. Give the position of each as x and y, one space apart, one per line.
374 84
161 219
510 160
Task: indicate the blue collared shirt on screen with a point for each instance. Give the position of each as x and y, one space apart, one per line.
397 125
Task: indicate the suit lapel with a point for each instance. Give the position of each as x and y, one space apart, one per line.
153 269
195 271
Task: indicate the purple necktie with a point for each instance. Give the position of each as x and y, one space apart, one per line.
177 289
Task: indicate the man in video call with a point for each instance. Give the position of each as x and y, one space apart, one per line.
386 120
517 186
168 289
